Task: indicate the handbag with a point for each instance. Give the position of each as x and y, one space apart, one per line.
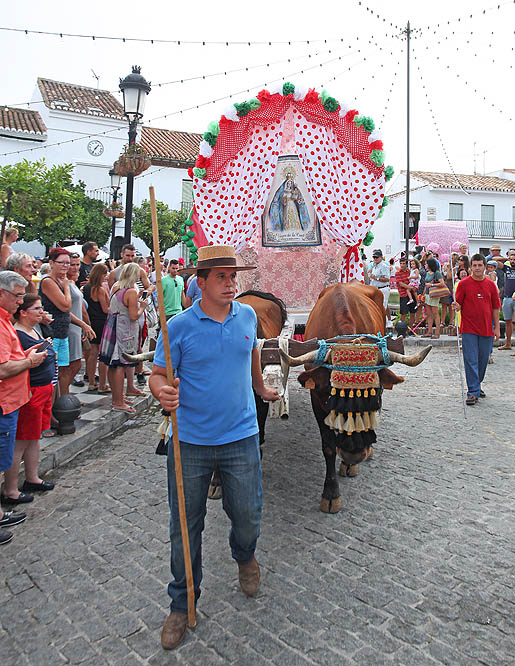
151 315
108 340
439 292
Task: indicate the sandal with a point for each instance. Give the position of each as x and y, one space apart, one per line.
92 389
503 347
127 409
471 400
135 393
104 389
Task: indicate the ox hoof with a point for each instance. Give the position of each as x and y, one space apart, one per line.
348 470
331 505
369 452
214 492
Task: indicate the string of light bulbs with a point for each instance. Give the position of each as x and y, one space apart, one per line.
173 113
480 12
431 113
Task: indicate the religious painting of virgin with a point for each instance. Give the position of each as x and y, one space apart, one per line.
289 219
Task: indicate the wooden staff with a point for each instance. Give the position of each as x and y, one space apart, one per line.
173 416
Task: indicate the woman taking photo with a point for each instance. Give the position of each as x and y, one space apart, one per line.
121 334
34 416
433 279
97 299
54 290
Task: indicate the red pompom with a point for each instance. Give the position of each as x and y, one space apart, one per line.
350 115
376 145
202 162
190 172
264 96
312 96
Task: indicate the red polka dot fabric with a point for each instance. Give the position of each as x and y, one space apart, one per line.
346 187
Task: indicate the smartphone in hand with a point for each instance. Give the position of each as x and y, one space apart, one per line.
43 346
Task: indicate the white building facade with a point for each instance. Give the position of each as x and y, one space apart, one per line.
85 127
485 203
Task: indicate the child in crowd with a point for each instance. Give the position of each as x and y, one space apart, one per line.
414 280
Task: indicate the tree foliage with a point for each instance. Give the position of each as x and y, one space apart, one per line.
169 222
48 206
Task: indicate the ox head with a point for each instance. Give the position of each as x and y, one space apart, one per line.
318 380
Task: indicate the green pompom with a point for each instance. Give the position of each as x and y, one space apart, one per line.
210 138
368 124
243 109
381 211
324 95
190 243
288 89
388 172
254 103
190 234
385 202
377 157
214 128
183 228
199 173
358 120
331 104
184 237
189 222
369 239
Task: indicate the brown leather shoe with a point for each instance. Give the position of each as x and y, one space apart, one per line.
249 576
173 630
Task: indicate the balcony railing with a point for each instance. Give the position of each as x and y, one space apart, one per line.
490 228
186 207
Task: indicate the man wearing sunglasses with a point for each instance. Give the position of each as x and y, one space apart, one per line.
14 385
173 290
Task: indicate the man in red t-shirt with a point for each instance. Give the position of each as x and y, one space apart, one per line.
406 304
478 300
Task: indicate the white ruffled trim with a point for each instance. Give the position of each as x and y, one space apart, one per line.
376 135
300 93
231 113
276 88
344 109
205 149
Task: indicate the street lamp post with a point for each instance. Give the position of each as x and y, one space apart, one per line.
115 185
135 89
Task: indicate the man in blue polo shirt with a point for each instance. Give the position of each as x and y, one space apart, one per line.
214 354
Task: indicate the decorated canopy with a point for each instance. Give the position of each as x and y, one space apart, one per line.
340 155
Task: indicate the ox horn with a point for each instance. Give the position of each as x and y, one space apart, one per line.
292 361
137 358
412 360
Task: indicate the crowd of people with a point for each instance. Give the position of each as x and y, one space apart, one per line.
430 291
55 314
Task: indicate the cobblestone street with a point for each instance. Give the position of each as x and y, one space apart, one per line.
418 568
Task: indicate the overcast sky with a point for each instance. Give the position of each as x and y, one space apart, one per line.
466 66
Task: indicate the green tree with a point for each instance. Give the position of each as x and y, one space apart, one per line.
48 206
169 225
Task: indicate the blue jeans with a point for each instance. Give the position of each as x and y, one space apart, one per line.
476 350
239 466
8 423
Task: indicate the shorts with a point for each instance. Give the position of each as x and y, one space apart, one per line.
34 416
405 307
508 308
7 438
62 351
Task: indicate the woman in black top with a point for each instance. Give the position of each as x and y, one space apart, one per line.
34 416
97 299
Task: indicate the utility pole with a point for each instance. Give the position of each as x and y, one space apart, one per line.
408 184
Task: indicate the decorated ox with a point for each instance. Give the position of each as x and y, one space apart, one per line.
345 399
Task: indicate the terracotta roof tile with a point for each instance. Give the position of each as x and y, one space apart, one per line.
80 99
169 147
22 120
468 181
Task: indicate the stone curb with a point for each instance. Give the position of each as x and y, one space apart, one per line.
57 451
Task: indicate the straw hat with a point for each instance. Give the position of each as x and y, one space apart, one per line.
217 256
